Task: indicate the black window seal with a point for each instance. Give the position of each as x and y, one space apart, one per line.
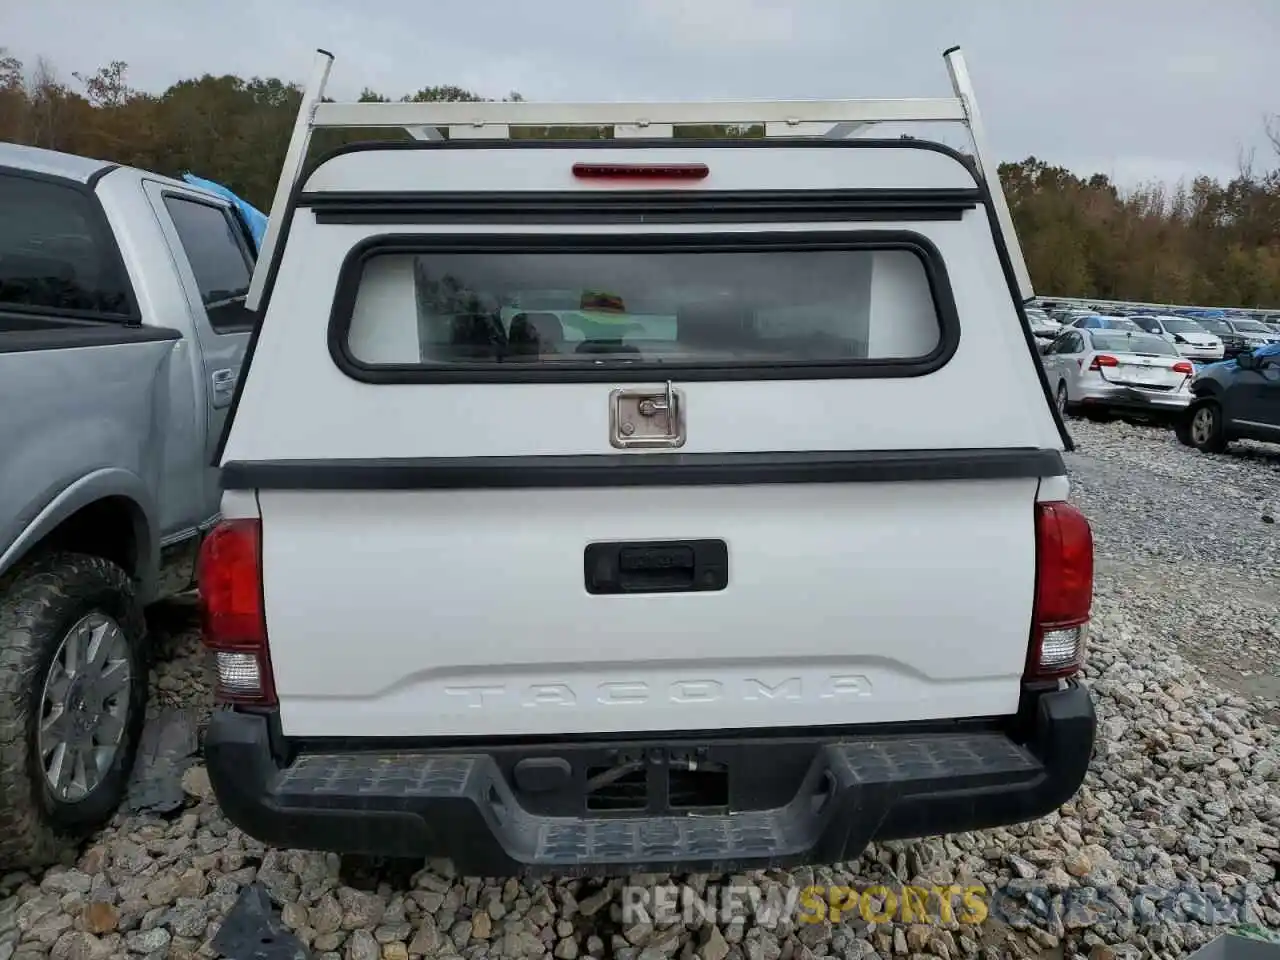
76 336
642 470
104 235
586 372
639 206
239 228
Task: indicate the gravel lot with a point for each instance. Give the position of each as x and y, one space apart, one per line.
1174 837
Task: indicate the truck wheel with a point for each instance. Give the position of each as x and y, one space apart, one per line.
1205 427
73 692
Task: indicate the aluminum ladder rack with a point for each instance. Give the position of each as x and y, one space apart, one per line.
494 120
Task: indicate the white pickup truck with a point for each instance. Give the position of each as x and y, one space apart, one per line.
643 503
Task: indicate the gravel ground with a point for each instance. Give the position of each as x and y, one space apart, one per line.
1174 837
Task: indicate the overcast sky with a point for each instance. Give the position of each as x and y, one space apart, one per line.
1137 89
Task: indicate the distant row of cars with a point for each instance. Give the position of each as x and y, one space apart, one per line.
1200 335
1150 367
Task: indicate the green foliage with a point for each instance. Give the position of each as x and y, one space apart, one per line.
1203 242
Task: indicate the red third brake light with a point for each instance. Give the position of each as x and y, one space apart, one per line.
1182 366
234 626
1064 591
1103 360
640 171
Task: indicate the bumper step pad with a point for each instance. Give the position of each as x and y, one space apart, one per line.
461 806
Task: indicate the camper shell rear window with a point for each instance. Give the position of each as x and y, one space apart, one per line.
602 308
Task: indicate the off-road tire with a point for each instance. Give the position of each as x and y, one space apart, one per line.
38 605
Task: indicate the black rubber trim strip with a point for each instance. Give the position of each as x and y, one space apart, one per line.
648 143
567 371
72 338
642 470
100 173
640 206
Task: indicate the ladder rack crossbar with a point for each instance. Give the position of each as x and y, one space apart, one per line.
494 120
728 113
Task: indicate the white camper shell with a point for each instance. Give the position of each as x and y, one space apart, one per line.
642 502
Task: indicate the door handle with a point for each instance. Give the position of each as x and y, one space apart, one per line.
674 566
224 386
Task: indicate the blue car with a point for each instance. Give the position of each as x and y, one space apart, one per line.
1237 399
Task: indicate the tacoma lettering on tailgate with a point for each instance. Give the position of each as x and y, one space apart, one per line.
634 692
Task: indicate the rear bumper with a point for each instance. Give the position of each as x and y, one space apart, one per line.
1203 354
822 801
1135 398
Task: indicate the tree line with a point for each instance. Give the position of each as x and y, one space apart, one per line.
1202 242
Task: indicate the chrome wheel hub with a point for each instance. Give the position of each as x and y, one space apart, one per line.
84 707
1202 425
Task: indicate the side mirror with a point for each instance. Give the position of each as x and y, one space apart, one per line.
1247 361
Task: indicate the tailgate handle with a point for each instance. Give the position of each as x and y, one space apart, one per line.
669 566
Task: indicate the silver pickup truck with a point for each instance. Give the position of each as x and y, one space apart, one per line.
122 332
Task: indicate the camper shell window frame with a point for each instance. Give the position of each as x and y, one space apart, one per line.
931 260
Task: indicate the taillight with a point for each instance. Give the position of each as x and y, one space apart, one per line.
1183 366
1103 360
234 626
641 171
1064 592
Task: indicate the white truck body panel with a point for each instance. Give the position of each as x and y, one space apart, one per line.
847 604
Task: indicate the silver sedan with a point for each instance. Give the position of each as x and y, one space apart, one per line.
1101 372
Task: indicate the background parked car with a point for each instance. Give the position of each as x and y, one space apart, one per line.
1191 340
1237 400
1102 372
1098 321
1042 325
1239 336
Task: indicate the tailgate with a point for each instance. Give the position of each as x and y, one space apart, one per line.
417 613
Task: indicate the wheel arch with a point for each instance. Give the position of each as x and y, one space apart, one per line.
106 514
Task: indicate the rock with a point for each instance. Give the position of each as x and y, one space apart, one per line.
162 891
192 885
481 925
360 911
362 946
195 783
1077 863
66 881
394 951
326 915
148 942
567 949
1021 867
98 917
426 941
294 916
391 932
49 928
77 945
